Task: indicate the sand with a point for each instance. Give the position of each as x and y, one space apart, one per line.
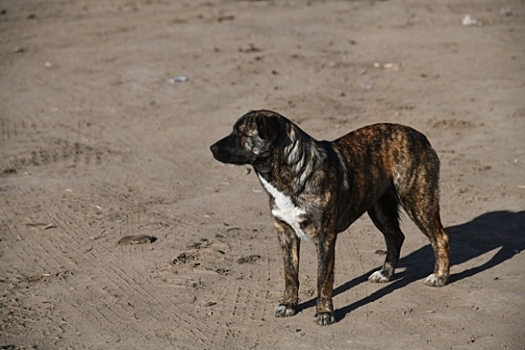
108 109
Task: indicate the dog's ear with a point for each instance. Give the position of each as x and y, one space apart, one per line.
267 126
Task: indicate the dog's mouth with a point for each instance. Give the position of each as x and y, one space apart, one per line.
231 156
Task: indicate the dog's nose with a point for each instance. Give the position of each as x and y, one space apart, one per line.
213 148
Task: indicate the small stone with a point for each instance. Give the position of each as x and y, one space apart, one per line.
391 66
468 21
179 79
505 11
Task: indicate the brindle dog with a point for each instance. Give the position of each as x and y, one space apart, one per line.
318 188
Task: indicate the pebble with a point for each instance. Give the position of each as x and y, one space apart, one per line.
137 239
179 79
470 22
505 11
391 66
388 66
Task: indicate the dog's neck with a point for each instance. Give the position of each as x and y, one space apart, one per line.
292 161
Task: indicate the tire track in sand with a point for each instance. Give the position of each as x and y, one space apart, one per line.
127 280
117 278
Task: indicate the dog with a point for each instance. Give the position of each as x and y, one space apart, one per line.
317 189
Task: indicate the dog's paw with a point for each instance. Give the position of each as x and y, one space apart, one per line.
324 318
378 277
283 311
434 281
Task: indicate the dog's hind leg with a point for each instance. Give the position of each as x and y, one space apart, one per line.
428 220
385 216
290 246
420 199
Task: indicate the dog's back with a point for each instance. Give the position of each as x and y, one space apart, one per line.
396 145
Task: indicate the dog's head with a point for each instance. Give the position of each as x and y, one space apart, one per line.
251 138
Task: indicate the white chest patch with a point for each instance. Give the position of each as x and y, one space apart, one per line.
285 210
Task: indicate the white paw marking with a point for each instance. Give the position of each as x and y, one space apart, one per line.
283 311
285 210
377 277
434 281
324 319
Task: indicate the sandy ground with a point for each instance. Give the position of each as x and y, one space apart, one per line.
97 143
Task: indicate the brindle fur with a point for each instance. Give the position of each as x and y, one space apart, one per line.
374 169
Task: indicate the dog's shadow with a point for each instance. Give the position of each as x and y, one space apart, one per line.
501 230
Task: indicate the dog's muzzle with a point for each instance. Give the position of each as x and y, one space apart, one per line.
225 151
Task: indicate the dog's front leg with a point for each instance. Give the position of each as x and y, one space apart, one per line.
290 245
324 314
